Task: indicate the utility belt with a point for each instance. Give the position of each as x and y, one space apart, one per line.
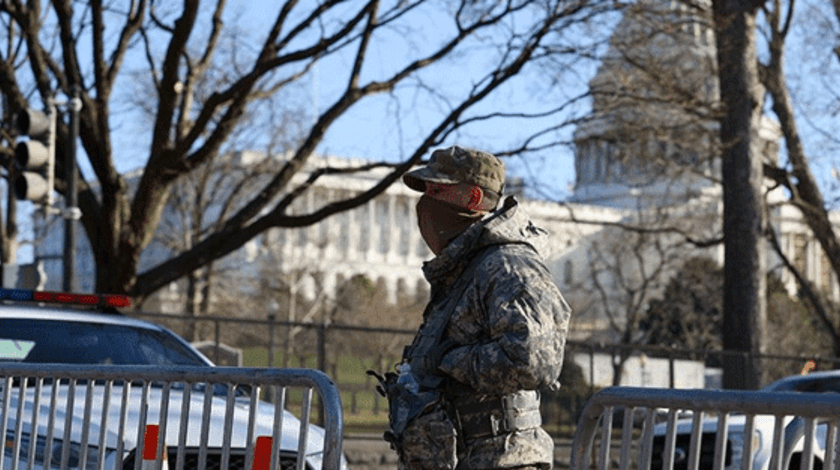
477 416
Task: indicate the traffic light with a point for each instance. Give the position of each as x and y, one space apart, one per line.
35 157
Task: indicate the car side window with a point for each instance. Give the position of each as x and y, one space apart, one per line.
819 386
53 341
162 349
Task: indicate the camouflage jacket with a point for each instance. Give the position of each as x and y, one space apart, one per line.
507 332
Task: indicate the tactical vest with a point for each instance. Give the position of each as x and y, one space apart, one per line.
474 419
424 354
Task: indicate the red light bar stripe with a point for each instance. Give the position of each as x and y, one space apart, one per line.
117 301
120 301
88 299
42 296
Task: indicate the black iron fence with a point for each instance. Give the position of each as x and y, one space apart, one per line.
346 352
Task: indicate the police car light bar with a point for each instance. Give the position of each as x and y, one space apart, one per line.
117 301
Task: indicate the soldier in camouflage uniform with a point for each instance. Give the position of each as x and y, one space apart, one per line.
493 332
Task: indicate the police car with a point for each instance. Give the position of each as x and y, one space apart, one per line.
816 382
31 332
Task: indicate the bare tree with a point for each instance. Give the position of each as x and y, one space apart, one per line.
627 269
797 176
199 202
744 305
665 86
648 80
657 117
361 301
824 312
194 117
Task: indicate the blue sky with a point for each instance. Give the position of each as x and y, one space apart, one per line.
371 132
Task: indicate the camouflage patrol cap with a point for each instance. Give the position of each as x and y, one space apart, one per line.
459 165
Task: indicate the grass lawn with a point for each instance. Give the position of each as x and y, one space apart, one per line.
359 398
357 389
366 422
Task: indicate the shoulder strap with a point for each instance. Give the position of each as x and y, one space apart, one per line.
421 354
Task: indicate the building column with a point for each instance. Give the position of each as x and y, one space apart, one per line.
413 234
352 228
393 230
332 231
373 231
309 232
788 248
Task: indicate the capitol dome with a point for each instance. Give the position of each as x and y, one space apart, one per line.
652 136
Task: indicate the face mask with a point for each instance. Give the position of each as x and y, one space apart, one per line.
440 222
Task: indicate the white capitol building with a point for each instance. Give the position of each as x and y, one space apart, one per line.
636 163
380 241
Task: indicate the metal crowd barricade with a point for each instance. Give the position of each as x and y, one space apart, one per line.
796 419
97 412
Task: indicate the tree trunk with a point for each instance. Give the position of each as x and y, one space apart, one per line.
744 303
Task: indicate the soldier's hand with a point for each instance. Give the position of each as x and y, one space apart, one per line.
381 387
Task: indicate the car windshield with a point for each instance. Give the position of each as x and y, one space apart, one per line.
805 384
66 342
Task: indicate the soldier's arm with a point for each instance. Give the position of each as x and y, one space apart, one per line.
527 320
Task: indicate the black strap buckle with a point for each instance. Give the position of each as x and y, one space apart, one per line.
499 424
499 415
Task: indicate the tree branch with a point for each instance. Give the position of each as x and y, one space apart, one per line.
807 289
805 193
213 40
372 8
166 92
237 93
239 229
64 12
133 23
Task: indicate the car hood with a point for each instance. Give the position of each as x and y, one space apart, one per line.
736 423
238 431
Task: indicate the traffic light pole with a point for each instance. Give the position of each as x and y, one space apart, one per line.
36 181
72 212
52 116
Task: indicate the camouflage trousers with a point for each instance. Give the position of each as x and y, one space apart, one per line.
430 443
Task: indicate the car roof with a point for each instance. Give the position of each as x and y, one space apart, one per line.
52 313
812 377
